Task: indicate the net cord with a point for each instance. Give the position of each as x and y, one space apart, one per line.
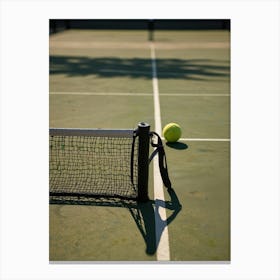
161 158
118 133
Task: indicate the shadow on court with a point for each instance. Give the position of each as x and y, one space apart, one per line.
146 215
196 69
177 145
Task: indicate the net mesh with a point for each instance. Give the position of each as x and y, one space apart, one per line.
92 166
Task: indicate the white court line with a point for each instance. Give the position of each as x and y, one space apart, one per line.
100 93
135 94
204 139
195 94
162 239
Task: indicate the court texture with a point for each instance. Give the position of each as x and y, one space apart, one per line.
116 79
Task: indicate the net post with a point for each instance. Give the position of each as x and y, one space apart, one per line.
143 161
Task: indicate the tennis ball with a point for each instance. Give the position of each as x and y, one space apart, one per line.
172 132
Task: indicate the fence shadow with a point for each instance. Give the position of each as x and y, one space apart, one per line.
168 68
145 214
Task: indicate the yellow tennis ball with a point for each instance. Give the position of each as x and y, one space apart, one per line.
172 132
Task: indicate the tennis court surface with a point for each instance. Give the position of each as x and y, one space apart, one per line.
115 79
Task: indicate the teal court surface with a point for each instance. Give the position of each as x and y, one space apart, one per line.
116 79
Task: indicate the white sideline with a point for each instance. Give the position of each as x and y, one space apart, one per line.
162 238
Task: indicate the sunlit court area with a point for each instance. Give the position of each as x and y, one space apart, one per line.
113 87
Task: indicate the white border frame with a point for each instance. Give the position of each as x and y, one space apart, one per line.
255 138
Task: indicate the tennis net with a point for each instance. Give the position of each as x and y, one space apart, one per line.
98 162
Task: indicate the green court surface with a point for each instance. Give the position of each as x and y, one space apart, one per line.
88 111
104 79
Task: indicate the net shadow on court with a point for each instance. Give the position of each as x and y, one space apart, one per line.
145 214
